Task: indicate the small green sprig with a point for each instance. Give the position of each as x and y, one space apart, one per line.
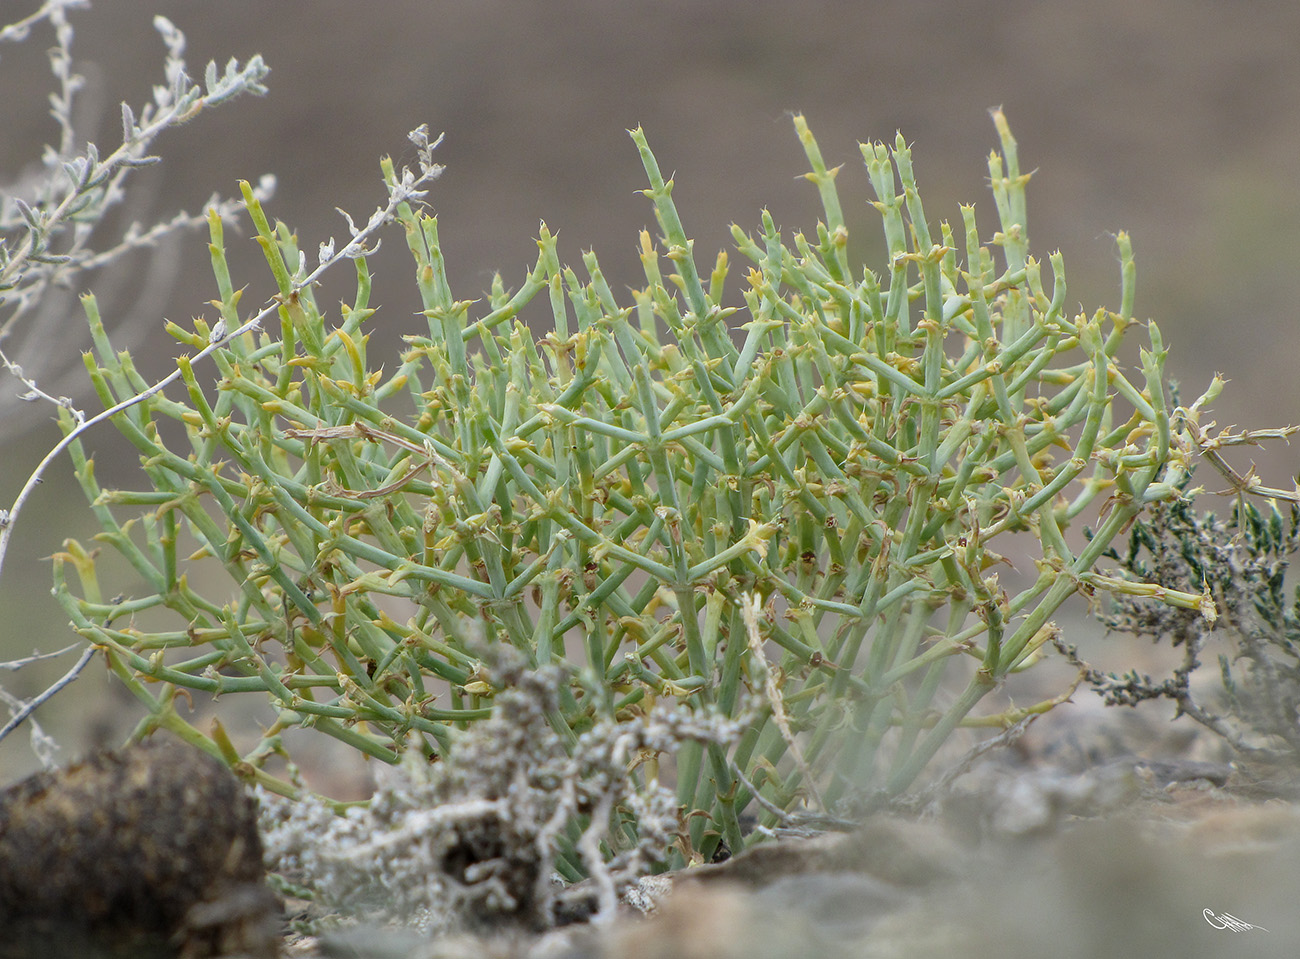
605 484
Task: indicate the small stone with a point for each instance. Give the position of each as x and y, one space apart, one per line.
149 851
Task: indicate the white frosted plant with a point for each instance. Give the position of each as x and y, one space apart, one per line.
488 834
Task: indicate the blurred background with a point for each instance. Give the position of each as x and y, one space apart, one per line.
1176 120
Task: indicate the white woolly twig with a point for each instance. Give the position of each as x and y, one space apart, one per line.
749 609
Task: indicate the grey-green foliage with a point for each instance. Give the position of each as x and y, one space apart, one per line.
478 838
603 489
1242 561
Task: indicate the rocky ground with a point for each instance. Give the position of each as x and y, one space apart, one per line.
1138 882
1096 832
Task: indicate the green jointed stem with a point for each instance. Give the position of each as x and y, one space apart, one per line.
601 484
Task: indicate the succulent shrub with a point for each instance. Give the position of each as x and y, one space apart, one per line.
603 482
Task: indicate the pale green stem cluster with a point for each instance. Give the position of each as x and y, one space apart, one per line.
603 486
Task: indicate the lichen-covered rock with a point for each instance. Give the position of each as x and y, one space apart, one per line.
152 850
